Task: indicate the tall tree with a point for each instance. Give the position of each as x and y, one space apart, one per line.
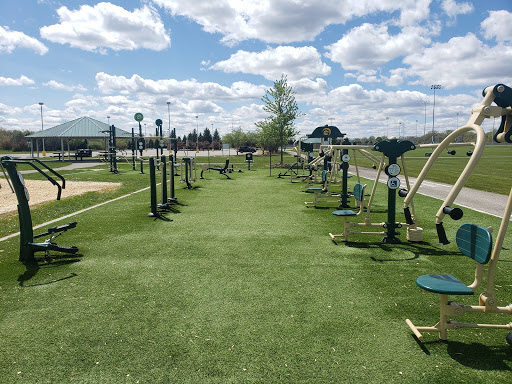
235 139
280 103
268 135
207 136
216 136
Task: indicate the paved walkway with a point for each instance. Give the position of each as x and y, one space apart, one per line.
485 202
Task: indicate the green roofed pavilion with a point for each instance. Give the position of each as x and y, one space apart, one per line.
81 128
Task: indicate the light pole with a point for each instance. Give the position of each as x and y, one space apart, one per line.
434 87
387 127
416 131
108 121
169 115
197 132
41 104
425 102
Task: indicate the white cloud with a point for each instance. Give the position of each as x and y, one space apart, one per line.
117 100
462 61
22 80
63 87
396 78
498 25
82 101
187 89
453 9
252 112
285 21
108 26
307 90
296 63
371 46
10 40
9 110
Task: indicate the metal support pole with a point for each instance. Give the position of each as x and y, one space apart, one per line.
152 185
172 199
164 180
344 179
133 149
391 223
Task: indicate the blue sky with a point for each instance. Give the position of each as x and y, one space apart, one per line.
364 66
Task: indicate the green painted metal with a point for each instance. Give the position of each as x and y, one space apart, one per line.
344 178
27 245
83 127
187 161
152 189
358 191
393 149
443 284
475 242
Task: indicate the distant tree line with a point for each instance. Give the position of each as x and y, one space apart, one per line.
13 140
204 141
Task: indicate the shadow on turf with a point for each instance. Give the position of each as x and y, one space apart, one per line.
481 356
55 261
474 355
418 249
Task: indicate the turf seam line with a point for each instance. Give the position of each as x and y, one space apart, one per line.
75 213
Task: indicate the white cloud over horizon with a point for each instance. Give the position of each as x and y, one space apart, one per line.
22 80
285 21
108 26
10 40
296 63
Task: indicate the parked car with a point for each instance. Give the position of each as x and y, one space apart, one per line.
246 149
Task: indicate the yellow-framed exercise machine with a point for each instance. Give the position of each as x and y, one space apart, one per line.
392 149
478 115
474 241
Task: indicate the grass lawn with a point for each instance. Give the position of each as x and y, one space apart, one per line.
490 174
242 284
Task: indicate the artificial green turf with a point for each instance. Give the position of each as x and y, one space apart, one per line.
242 285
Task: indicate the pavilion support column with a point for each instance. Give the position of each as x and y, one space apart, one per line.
69 152
37 148
62 149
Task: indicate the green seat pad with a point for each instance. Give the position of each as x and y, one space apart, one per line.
343 212
443 284
314 189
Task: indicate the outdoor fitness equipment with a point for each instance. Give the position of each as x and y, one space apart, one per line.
323 194
301 147
248 160
222 170
502 96
189 174
164 206
393 149
475 241
346 213
172 199
112 154
27 245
